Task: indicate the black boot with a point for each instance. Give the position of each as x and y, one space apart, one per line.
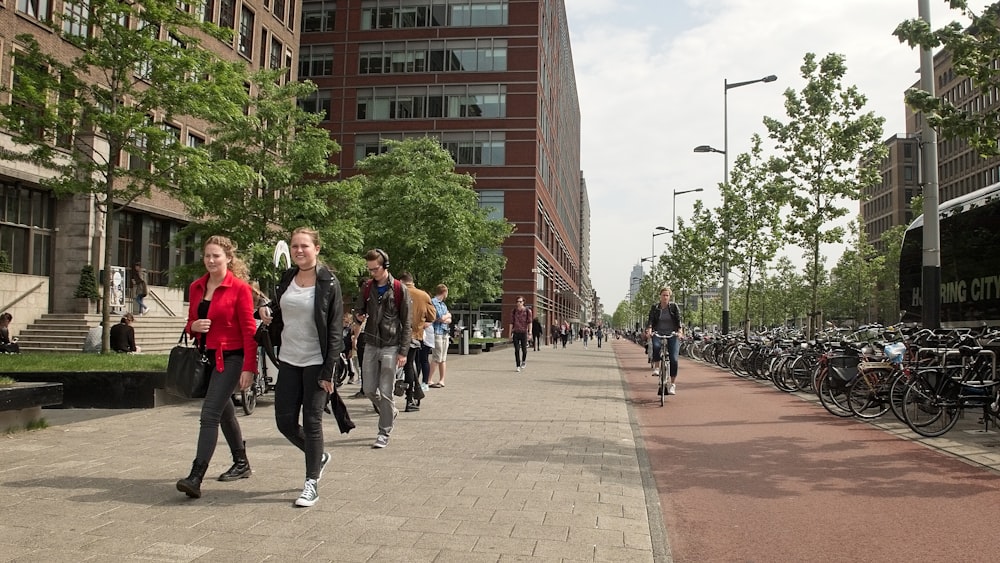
240 468
191 486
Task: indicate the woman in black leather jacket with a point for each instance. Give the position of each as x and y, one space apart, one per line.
306 319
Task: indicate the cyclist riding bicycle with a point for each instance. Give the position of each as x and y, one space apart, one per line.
665 318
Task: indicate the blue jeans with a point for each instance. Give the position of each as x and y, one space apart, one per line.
298 389
673 348
217 409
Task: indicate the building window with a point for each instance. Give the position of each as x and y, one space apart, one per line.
318 17
245 45
438 14
492 200
279 9
464 55
26 228
227 13
208 11
38 9
127 230
32 126
195 141
76 18
318 102
276 48
159 252
315 60
433 101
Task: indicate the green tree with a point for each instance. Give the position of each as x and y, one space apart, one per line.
888 275
99 119
974 49
793 289
819 148
695 259
754 200
428 219
290 186
855 278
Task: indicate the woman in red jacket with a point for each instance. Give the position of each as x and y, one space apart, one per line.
220 316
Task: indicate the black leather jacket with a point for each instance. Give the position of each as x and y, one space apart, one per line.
654 315
329 316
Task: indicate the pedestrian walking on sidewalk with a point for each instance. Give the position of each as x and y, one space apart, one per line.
441 337
221 316
536 333
422 315
386 306
307 316
520 332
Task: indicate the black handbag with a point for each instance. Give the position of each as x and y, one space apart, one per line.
187 370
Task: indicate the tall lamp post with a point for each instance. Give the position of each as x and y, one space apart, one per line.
659 231
726 87
673 208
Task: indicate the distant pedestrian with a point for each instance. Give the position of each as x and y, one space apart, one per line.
441 335
564 331
520 332
585 336
536 333
140 287
554 334
123 336
422 315
8 344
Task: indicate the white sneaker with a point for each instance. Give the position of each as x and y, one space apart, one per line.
309 494
672 389
518 369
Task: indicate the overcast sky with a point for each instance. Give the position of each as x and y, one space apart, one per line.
650 79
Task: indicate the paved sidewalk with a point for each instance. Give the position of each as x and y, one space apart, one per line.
497 466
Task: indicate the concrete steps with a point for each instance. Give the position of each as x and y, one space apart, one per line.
66 332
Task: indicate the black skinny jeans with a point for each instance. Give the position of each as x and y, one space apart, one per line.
298 390
520 348
217 409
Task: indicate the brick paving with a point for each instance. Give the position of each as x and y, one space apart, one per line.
497 466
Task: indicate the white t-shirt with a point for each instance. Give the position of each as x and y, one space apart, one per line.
299 338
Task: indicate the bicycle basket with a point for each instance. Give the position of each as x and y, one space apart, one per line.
844 368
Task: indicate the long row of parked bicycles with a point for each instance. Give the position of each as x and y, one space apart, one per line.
927 378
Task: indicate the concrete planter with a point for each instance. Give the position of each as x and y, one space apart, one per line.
21 403
101 389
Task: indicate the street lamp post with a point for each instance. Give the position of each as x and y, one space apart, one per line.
726 87
661 231
673 208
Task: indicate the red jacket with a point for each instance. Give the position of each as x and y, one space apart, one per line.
231 313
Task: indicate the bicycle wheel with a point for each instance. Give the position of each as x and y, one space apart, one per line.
864 395
833 396
248 398
663 379
897 390
927 413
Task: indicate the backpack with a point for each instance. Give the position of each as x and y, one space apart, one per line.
397 291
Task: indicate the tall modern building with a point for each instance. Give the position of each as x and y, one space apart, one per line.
49 240
493 81
960 168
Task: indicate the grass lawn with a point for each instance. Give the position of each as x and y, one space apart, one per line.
42 362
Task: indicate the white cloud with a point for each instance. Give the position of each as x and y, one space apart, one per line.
650 80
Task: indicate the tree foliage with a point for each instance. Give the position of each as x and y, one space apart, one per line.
819 147
428 219
100 118
290 186
754 200
973 51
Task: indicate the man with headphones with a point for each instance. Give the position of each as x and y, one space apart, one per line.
386 304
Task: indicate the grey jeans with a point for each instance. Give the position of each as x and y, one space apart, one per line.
217 409
379 369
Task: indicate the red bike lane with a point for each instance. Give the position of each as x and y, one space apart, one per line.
745 472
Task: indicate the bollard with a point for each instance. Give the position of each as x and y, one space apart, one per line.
465 342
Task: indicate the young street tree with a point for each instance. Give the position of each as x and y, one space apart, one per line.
291 186
853 284
819 148
102 119
428 218
755 225
973 51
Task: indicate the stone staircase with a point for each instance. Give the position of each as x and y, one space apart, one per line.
66 332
